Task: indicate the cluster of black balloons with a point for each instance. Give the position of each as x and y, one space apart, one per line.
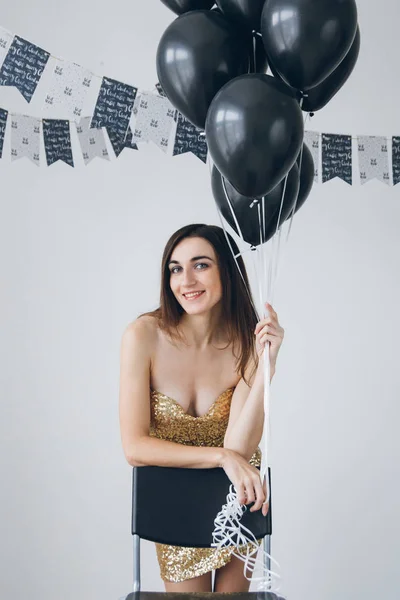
212 63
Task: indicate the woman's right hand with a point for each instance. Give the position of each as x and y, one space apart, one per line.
246 480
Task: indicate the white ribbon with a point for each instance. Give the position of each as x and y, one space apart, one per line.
228 530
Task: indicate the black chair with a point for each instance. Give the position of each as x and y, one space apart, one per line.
178 506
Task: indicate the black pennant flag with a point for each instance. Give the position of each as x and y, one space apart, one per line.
336 157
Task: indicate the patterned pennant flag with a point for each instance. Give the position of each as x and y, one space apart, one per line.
6 39
189 138
396 159
312 139
92 141
23 67
3 123
57 141
154 120
67 90
373 158
160 90
120 142
114 106
336 157
25 138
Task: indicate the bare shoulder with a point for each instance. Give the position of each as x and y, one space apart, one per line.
143 330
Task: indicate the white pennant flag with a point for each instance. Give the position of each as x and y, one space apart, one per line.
6 37
25 138
154 120
92 141
373 158
313 141
67 90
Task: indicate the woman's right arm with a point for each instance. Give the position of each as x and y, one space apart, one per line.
139 447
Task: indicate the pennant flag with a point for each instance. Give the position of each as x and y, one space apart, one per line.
160 90
57 141
25 138
336 157
3 123
23 67
67 90
312 139
154 120
114 106
373 159
396 159
6 39
92 141
119 142
190 138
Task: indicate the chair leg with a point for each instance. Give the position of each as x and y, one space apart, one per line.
267 548
136 563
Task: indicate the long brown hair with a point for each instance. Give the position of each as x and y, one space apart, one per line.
239 314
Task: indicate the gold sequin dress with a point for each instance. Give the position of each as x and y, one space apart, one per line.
170 422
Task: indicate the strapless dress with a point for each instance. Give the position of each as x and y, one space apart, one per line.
170 422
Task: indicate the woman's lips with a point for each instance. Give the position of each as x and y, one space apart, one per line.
189 299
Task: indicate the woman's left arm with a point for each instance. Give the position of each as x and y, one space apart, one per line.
246 418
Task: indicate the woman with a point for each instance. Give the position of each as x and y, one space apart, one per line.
190 375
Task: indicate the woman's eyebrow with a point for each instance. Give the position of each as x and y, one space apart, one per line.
176 262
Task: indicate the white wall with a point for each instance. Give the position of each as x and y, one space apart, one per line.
80 254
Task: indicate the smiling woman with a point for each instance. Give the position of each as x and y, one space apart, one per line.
191 391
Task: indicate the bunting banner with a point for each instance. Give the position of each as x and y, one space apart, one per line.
23 67
92 141
25 138
132 117
3 123
312 139
119 143
190 138
336 157
57 141
5 42
373 158
396 159
114 106
67 91
154 120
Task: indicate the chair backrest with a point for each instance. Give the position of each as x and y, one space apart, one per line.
178 506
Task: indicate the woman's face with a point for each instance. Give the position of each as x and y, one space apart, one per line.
194 275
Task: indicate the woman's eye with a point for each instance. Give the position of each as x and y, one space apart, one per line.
174 269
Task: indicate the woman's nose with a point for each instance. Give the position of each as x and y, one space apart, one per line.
188 277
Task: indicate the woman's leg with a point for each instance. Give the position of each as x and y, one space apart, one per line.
196 584
230 577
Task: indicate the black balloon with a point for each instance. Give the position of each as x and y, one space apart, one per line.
198 53
182 6
246 210
305 163
306 40
261 59
254 132
245 12
320 95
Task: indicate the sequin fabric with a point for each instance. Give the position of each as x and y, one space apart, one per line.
170 422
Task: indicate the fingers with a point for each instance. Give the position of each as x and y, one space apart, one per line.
265 506
250 497
241 493
270 309
264 323
260 496
265 509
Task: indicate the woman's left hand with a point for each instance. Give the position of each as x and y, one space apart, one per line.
269 330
